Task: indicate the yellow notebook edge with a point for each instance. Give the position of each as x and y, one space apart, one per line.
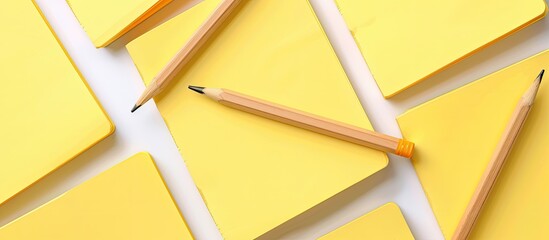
455 91
111 129
112 34
202 197
82 78
321 202
377 209
105 40
65 193
333 52
533 20
34 209
149 158
168 190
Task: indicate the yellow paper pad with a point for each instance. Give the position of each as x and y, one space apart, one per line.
456 135
48 113
107 20
128 201
404 42
254 173
386 222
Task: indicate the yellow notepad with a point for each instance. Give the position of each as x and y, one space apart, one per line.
386 222
48 113
405 41
254 173
107 20
456 135
128 201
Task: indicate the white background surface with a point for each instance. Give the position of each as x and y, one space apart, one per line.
117 84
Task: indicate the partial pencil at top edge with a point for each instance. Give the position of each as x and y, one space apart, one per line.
187 52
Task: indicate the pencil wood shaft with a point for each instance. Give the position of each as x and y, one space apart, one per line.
185 54
496 163
312 122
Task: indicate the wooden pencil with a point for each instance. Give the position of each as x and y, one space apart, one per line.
497 161
309 121
185 54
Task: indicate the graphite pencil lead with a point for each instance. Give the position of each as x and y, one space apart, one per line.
540 76
197 89
135 107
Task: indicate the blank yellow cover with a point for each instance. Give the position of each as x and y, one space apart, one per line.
128 201
255 173
384 223
48 113
107 20
456 135
405 41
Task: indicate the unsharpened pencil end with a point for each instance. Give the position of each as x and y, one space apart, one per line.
197 89
540 76
405 149
135 107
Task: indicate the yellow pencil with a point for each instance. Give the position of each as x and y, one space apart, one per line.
309 121
496 163
167 74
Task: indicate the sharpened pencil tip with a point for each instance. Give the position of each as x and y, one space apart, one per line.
197 89
540 76
135 107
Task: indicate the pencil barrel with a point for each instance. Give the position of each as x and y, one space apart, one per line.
312 122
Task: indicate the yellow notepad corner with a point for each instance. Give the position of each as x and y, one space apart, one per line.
128 201
456 135
255 173
105 20
404 42
384 223
50 115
